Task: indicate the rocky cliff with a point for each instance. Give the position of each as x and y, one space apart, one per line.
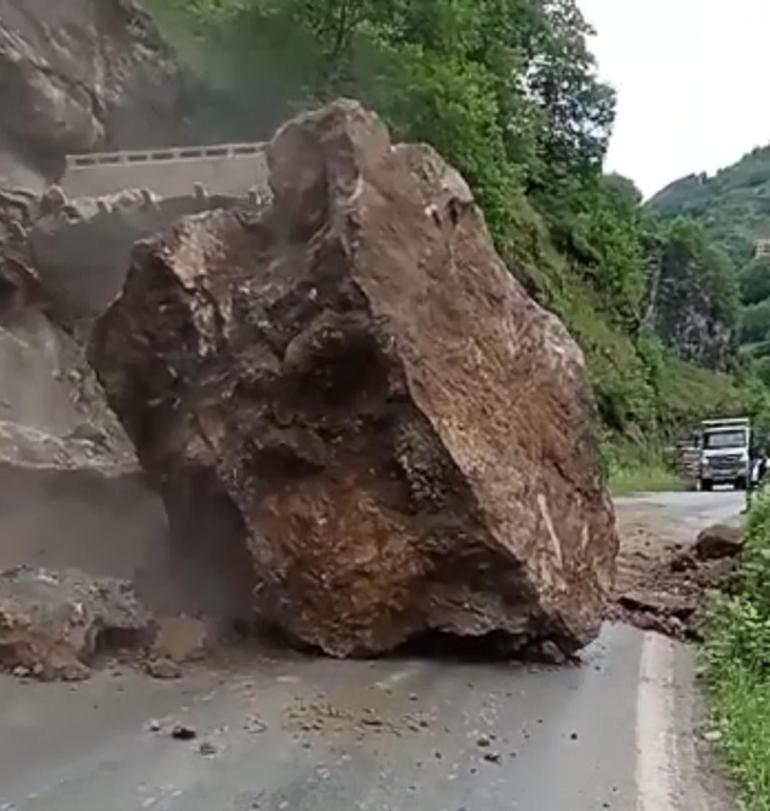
684 317
694 299
76 76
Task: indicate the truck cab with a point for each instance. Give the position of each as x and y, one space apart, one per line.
724 453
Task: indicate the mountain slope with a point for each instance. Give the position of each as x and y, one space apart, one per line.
733 206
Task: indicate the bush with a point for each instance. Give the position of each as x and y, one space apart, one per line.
755 281
762 369
737 656
755 322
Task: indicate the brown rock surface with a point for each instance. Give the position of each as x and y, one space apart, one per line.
51 623
352 386
180 639
719 541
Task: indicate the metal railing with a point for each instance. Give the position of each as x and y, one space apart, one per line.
181 153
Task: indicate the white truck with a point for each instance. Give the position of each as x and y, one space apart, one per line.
725 453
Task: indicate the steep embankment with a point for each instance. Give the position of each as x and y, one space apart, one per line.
75 75
733 208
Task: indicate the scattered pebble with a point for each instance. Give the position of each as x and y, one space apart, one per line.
21 672
162 669
154 725
183 733
712 736
207 748
484 742
493 757
574 736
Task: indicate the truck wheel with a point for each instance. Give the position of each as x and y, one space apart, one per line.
741 483
706 485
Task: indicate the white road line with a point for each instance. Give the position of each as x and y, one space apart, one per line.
656 740
667 770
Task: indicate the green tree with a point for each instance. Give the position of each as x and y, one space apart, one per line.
623 189
762 371
709 268
612 227
755 281
755 322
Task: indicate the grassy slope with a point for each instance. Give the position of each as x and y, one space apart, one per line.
737 657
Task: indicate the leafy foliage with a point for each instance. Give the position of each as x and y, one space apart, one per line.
755 281
733 206
688 246
762 370
737 655
755 322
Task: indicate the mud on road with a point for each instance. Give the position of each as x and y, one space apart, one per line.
661 584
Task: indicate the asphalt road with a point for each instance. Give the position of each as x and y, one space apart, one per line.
391 735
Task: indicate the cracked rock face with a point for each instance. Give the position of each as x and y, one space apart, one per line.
80 75
353 387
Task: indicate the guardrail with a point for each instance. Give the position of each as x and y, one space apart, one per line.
232 169
181 153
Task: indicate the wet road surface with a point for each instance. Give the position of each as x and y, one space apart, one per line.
391 735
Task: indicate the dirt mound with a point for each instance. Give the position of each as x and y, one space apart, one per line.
669 587
52 623
354 388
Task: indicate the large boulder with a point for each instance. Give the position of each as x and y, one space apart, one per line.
352 386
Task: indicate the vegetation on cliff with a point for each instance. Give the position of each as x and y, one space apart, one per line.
733 209
507 91
737 658
733 206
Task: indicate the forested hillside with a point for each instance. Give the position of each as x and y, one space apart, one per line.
507 91
733 208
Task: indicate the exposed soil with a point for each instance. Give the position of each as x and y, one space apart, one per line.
661 584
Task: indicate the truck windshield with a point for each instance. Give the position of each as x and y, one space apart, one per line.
725 439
